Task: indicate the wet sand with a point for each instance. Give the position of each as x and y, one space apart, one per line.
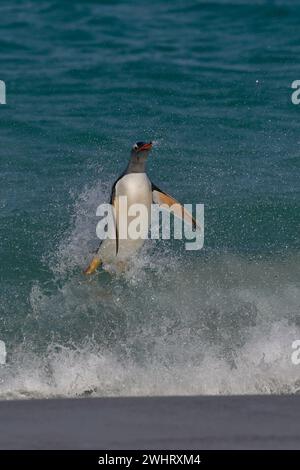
235 422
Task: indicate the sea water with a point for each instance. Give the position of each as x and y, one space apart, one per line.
210 83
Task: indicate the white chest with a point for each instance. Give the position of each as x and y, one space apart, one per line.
137 188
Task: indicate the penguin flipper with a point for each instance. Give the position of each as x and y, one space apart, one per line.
96 261
114 203
163 199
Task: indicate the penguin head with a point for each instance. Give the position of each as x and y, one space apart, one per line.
141 149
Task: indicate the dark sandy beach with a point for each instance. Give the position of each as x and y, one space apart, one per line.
236 422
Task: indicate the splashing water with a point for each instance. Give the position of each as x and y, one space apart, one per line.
218 321
175 323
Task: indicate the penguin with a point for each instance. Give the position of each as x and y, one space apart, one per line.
137 187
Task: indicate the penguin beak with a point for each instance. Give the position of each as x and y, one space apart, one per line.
147 146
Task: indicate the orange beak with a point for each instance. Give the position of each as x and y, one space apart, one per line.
147 146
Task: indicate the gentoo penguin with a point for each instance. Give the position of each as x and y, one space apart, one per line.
135 184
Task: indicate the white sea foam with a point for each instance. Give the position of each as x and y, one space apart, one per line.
263 365
173 324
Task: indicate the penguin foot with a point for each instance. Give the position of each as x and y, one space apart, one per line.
95 263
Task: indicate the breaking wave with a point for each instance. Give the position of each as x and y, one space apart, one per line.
175 324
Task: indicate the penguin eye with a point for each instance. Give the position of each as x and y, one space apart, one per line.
135 147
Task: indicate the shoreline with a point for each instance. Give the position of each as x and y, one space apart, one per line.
186 422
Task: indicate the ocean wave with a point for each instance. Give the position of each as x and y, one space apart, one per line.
175 323
263 366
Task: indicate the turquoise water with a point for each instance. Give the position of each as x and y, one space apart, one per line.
210 83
